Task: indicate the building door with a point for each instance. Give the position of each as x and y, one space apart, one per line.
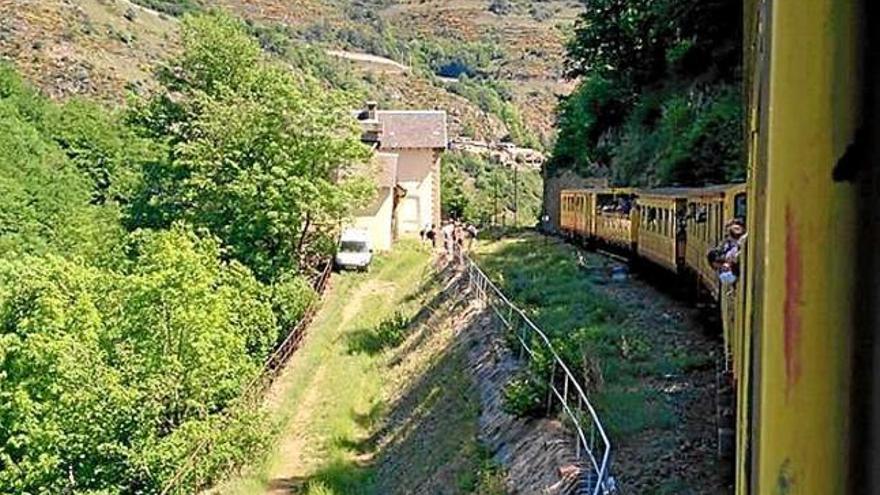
408 217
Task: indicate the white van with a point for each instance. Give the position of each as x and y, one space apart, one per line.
355 251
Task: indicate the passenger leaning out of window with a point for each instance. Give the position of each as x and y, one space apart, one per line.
725 257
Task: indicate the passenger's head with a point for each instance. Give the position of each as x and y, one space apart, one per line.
736 228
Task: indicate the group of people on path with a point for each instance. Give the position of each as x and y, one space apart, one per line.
454 234
724 258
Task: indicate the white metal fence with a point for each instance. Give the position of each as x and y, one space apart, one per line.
593 449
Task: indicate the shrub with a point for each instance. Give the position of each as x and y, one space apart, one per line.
500 7
525 396
291 296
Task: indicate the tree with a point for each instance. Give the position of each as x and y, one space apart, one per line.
110 376
261 157
44 197
654 106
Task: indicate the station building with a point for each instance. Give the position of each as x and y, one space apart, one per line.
408 146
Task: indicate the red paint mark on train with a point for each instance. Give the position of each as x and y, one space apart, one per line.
792 308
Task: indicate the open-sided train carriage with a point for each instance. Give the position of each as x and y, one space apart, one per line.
615 218
576 213
661 235
708 210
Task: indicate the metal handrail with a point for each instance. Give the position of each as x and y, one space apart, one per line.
508 312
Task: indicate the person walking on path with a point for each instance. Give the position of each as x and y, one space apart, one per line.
472 235
431 236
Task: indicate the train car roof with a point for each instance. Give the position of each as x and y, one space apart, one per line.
660 191
689 191
718 189
615 190
667 191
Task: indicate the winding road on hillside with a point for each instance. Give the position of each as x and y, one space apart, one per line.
386 63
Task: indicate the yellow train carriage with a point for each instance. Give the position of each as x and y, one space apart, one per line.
796 371
576 212
708 211
566 212
661 236
613 218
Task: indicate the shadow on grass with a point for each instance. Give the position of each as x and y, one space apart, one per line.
394 331
424 442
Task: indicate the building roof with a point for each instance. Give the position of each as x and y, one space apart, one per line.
413 129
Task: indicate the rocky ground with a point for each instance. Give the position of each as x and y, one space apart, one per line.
650 363
687 451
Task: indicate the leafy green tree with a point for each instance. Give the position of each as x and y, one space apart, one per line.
106 373
260 156
44 198
101 147
654 105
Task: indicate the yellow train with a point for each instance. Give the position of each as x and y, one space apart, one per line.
800 323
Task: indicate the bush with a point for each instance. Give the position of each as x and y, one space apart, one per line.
113 376
525 396
500 7
388 334
291 296
392 331
45 198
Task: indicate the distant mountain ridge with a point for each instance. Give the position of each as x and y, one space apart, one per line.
510 51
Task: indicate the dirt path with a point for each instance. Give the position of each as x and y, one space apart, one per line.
297 438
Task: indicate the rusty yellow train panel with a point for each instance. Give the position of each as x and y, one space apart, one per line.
803 250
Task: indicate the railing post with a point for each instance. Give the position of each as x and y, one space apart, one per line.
550 388
565 391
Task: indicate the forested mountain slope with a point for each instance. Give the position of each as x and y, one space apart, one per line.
509 53
659 100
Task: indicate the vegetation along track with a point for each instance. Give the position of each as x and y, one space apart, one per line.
647 363
377 400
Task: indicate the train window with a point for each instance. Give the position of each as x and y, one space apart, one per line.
740 208
702 214
652 218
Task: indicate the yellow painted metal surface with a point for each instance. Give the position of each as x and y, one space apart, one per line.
802 248
615 229
576 206
658 229
704 233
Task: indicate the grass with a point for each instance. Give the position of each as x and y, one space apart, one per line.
591 332
379 397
